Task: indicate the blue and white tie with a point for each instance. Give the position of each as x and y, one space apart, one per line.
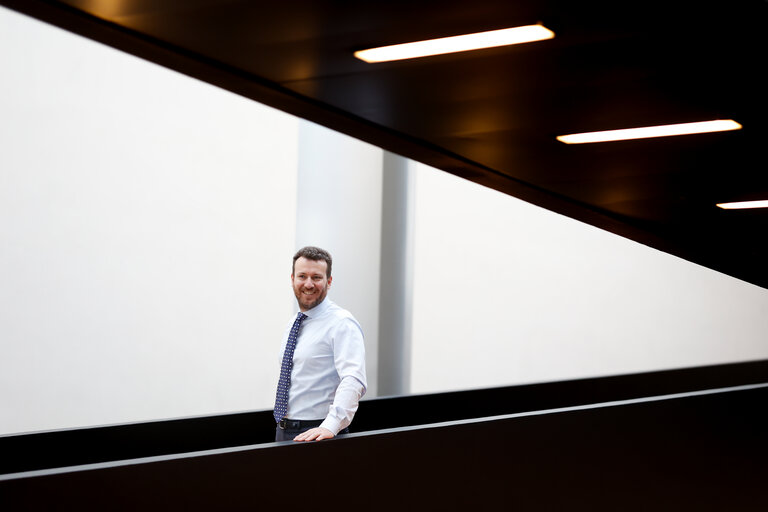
281 400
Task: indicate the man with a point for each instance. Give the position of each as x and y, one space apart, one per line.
322 376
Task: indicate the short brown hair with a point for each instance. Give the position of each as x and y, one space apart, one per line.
314 254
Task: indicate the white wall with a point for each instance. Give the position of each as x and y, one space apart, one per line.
143 216
507 293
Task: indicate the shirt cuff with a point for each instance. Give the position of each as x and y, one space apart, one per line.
332 425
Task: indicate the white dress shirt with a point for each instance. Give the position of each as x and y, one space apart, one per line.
328 376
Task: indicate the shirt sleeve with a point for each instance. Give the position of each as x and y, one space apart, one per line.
349 359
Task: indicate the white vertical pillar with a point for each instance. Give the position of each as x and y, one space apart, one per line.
396 277
339 209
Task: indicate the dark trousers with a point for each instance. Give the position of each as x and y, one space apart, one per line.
287 434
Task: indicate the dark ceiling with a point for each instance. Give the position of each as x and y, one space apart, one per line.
491 116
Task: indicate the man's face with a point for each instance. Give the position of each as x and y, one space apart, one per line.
310 283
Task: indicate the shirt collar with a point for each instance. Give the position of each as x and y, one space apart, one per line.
319 309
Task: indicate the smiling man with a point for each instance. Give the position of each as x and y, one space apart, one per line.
322 375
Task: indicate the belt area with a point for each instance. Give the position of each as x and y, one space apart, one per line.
287 424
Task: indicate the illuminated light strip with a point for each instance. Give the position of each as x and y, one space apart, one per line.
648 132
743 205
463 43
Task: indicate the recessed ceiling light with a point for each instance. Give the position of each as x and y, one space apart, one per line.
743 205
463 43
648 132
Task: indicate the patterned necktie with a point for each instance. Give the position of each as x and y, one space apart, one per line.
281 400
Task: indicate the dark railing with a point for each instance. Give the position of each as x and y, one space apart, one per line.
702 452
101 444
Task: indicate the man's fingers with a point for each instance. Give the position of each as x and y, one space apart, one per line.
315 434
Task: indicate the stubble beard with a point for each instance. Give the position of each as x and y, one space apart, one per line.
318 299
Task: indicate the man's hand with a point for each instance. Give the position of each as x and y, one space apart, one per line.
315 434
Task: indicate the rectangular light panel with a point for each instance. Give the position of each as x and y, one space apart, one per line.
743 205
463 43
648 132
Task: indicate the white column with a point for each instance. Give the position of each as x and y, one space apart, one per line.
339 209
396 276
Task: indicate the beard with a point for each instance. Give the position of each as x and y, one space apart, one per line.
307 302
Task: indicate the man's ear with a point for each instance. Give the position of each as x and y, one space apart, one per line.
329 281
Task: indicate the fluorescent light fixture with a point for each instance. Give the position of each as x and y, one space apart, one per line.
648 132
455 44
743 205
